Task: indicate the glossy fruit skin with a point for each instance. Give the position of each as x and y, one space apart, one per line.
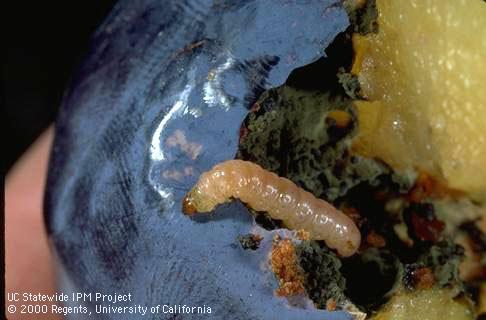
114 186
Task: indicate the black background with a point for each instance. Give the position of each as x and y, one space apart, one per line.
43 43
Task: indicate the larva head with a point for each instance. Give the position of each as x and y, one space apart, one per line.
195 201
188 207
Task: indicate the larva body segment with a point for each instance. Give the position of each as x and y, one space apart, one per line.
279 197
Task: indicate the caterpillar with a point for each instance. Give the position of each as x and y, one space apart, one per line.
279 197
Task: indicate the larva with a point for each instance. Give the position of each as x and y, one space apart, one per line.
279 197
